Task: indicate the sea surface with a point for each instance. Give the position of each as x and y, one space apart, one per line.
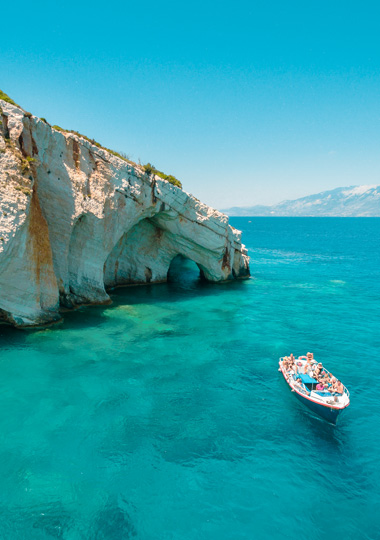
164 416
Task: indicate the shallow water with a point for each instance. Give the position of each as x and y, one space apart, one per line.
163 416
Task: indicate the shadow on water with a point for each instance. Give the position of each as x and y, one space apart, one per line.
184 283
113 521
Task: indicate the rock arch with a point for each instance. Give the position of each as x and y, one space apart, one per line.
142 255
183 269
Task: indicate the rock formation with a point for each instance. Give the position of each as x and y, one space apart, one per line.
76 220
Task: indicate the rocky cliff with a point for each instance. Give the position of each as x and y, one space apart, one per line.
76 220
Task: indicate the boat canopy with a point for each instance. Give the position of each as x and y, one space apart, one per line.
306 379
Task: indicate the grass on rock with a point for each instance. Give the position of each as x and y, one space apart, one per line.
148 168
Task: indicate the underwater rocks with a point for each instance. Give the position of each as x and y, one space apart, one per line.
76 219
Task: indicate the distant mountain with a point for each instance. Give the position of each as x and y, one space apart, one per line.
354 201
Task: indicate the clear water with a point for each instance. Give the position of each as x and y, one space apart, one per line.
164 416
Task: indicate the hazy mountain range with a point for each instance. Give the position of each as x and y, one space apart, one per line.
354 201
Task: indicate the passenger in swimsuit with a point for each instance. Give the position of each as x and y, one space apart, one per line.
324 378
336 388
291 363
332 385
286 366
294 364
297 381
318 371
321 378
309 362
285 362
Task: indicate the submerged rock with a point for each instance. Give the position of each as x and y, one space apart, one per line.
76 219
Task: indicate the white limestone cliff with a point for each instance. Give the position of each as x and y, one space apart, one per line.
76 220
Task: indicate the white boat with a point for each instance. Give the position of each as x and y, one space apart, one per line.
322 402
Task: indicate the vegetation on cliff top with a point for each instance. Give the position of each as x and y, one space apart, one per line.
94 142
148 168
6 98
151 169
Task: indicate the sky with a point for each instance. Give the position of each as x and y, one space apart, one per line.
246 102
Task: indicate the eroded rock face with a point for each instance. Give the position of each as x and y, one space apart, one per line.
75 220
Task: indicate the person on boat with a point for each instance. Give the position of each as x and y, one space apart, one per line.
293 364
309 362
324 378
336 388
289 362
286 367
333 382
299 384
285 363
318 371
321 374
297 381
333 385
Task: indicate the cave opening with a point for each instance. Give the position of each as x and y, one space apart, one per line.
184 272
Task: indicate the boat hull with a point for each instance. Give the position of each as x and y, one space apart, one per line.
327 413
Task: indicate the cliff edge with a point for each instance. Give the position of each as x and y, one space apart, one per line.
76 219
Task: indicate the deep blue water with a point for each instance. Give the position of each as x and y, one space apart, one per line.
163 416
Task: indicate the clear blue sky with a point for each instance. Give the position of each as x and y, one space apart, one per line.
246 102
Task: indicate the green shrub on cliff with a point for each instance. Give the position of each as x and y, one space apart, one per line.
23 190
95 143
151 169
24 166
6 98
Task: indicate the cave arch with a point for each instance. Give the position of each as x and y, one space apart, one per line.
137 252
142 255
184 270
147 253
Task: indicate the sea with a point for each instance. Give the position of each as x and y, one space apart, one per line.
163 416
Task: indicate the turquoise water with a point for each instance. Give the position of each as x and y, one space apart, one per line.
164 416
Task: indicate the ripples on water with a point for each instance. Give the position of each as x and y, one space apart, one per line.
164 416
